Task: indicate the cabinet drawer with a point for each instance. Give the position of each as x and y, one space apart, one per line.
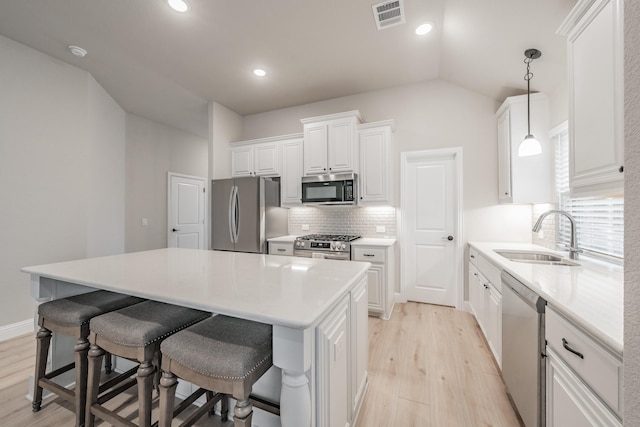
281 248
473 256
596 366
368 254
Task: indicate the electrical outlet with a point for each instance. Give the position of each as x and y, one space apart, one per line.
380 228
305 227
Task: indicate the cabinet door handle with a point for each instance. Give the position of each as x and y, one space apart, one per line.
472 256
621 169
567 347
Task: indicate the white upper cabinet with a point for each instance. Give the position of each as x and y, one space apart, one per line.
595 63
523 179
292 172
330 143
255 158
376 159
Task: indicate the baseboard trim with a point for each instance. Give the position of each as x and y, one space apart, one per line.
16 329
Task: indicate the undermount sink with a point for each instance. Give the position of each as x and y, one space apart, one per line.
533 257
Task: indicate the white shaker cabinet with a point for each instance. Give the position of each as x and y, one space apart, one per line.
485 299
523 179
595 64
584 379
379 277
330 143
292 172
359 347
375 180
255 158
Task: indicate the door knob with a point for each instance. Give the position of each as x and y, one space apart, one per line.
449 238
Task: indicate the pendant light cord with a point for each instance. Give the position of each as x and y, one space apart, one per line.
528 76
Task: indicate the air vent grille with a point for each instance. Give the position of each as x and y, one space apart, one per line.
388 13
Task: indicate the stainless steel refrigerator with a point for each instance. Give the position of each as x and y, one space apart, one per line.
245 212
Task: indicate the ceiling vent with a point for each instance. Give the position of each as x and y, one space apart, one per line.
388 13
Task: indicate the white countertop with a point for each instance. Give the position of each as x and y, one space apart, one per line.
282 239
279 290
373 241
590 294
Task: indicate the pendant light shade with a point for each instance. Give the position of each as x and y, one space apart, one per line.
529 146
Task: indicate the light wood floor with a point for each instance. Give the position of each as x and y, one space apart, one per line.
428 366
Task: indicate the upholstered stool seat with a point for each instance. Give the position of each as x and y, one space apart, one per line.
134 333
71 316
222 354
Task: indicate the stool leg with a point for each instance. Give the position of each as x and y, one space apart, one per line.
93 382
168 385
80 351
242 413
224 407
108 363
43 341
145 388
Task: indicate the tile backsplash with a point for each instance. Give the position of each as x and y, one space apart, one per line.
547 236
343 220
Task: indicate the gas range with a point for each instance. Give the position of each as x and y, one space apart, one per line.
333 246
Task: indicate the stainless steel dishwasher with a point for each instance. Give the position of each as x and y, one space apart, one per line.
523 347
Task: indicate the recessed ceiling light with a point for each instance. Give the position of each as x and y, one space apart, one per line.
259 72
77 51
424 29
178 5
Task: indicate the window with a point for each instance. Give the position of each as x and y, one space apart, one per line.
599 221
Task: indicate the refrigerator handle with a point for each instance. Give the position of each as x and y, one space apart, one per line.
231 215
236 220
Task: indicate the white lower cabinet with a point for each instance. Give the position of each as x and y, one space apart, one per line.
342 343
359 347
570 402
584 378
485 300
379 277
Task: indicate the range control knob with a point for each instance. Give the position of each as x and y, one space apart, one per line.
344 246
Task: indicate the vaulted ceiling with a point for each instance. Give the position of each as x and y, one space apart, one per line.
167 66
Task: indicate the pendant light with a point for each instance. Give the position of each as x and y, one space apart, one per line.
530 146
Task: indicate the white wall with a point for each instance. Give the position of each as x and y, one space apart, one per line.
429 115
225 126
631 219
105 177
52 151
152 150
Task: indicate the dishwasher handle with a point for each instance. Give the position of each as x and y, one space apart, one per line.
527 295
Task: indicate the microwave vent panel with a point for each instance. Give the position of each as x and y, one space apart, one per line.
388 13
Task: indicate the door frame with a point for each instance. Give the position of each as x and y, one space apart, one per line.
206 205
405 156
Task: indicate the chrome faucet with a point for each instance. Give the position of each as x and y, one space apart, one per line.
573 249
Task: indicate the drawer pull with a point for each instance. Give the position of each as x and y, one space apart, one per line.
281 250
368 254
567 347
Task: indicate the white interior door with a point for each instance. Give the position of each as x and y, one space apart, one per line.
186 216
430 226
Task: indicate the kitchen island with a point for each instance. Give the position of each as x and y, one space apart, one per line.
318 309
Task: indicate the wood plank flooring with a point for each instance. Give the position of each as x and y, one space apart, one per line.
428 366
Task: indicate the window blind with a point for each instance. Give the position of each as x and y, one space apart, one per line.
599 221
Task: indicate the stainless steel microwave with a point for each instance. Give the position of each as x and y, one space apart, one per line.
335 189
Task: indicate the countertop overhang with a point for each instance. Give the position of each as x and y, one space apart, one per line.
279 290
591 294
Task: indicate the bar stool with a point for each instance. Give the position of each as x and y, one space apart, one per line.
222 354
133 333
71 316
